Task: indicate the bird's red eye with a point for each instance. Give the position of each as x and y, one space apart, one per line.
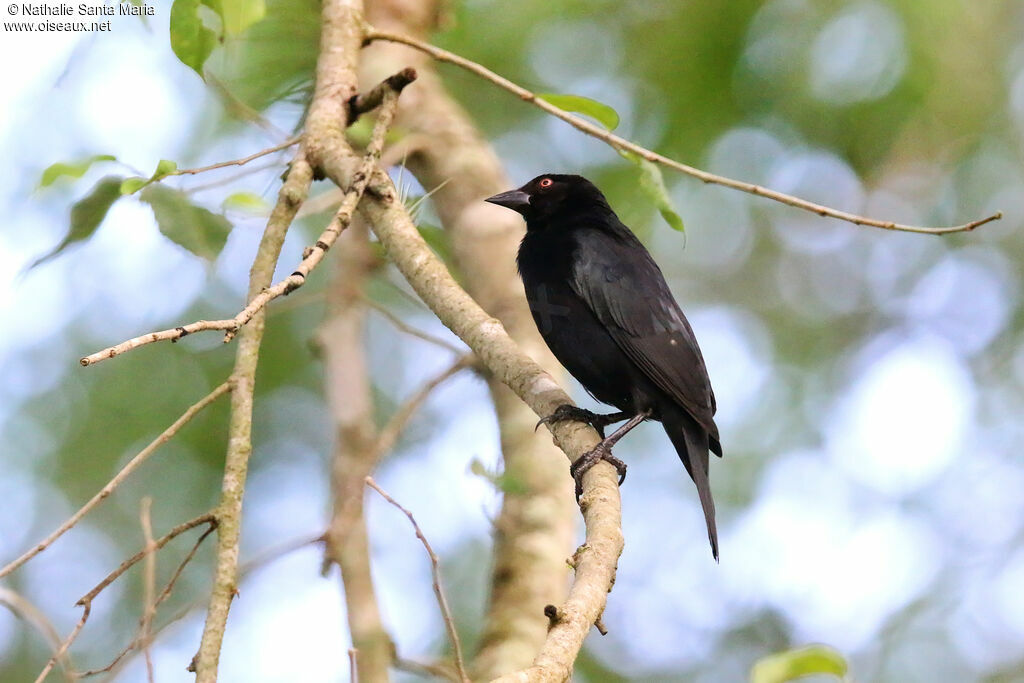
545 183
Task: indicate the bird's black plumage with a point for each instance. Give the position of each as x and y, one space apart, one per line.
602 305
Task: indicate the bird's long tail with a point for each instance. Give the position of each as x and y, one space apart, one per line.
691 443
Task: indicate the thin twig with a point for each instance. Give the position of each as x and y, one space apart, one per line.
435 571
26 610
85 602
244 570
62 650
164 335
238 162
233 102
409 329
148 584
435 669
132 465
209 518
392 430
314 255
621 144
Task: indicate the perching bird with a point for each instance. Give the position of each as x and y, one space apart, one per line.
602 305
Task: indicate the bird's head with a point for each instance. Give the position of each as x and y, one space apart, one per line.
551 196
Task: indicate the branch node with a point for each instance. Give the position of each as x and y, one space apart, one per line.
357 105
553 614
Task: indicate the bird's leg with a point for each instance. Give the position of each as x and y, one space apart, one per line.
567 413
603 451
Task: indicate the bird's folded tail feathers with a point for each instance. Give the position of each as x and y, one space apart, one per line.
691 443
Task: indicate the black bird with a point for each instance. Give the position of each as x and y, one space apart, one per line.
602 305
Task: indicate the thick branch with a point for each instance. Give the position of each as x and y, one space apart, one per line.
621 144
236 464
349 395
132 465
499 353
453 161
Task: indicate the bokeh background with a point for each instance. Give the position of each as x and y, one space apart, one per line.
869 383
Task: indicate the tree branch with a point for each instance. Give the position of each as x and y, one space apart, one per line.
148 585
453 161
435 572
27 611
132 465
238 162
621 144
600 501
349 394
229 512
145 635
85 602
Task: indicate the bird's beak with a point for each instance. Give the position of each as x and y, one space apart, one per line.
517 200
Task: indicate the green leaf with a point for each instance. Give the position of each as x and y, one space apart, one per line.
71 169
599 111
133 184
200 231
245 201
87 214
239 15
793 664
163 169
191 41
653 185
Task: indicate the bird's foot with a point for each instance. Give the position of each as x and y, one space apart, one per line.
571 413
591 458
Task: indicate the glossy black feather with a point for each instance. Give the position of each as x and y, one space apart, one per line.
602 305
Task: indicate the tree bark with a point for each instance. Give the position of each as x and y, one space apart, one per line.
534 531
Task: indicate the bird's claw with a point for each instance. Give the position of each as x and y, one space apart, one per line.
591 458
568 413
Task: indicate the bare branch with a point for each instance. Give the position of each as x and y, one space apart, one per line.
26 610
340 36
236 462
409 329
349 393
238 162
164 594
123 474
392 430
429 669
360 104
148 584
435 572
62 650
85 602
453 161
312 258
621 144
164 335
244 570
208 518
600 501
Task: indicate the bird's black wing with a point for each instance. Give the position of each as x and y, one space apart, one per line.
623 286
